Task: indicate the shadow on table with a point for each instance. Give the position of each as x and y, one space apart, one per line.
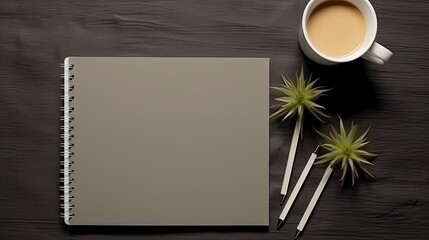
352 90
160 229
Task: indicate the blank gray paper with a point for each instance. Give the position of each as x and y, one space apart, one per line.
170 141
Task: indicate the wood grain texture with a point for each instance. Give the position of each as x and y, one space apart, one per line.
35 37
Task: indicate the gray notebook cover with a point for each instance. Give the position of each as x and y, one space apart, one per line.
167 141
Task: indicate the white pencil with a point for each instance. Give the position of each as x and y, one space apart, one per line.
290 160
313 202
297 187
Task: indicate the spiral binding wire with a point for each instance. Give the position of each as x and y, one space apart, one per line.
67 154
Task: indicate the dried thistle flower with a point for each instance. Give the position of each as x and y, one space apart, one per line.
346 149
298 97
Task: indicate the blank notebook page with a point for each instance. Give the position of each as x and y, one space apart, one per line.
170 141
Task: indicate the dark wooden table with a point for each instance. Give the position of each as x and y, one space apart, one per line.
35 36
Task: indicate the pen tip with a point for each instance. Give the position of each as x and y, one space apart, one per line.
317 149
297 234
283 199
279 224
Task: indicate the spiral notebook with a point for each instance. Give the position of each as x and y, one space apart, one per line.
165 141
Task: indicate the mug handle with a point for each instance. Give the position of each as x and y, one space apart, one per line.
377 54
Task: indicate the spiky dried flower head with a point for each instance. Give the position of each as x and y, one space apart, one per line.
344 148
297 97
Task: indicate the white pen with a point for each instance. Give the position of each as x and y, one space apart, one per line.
313 202
290 160
297 187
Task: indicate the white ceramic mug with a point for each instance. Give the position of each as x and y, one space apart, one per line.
369 49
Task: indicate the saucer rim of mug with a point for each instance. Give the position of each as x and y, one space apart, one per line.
356 53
